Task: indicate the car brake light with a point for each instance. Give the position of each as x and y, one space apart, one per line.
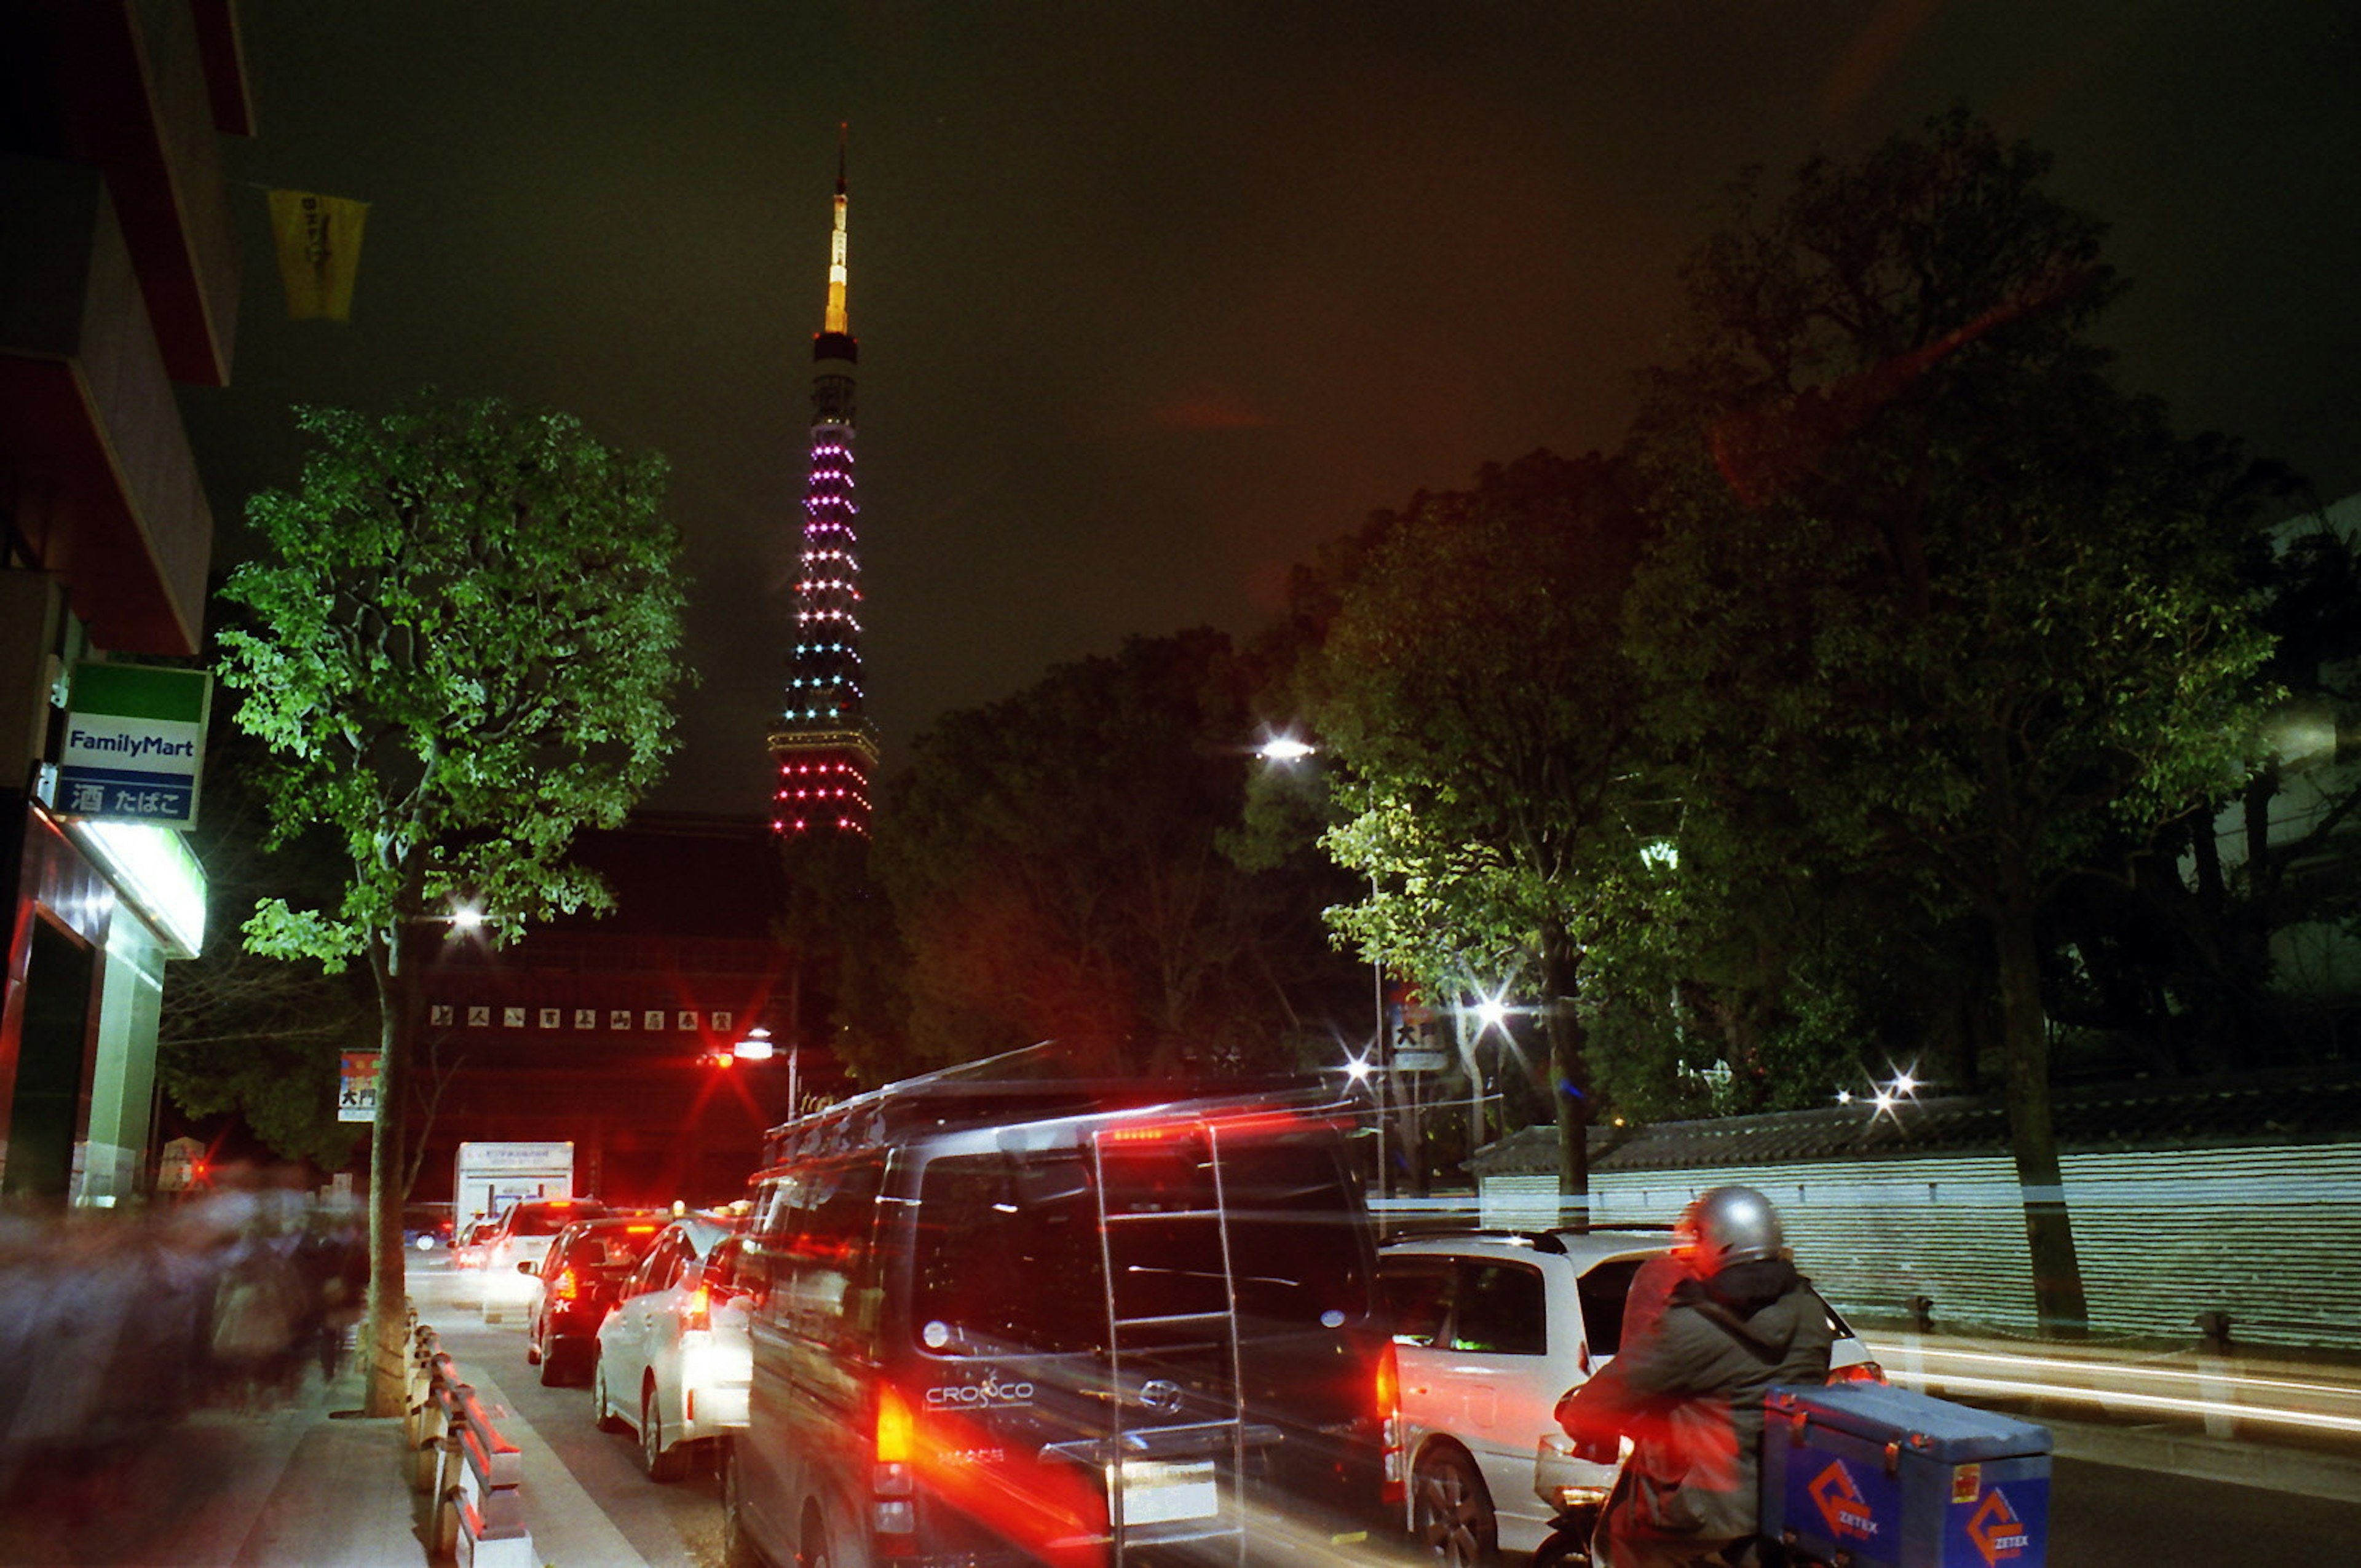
892 1510
1148 1134
698 1313
565 1286
1859 1372
897 1429
1390 1422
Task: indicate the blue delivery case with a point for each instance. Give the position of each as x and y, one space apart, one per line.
1868 1476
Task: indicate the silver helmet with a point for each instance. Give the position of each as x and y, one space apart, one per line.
1731 1225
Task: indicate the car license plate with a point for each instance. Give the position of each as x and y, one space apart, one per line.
1161 1491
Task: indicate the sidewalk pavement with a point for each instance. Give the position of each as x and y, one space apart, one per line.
297 1485
326 1489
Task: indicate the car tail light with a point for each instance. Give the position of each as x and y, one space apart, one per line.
565 1286
891 1481
699 1315
1859 1372
1390 1422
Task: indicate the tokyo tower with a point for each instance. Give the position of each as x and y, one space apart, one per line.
824 745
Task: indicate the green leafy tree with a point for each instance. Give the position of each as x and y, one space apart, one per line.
1926 575
1471 686
1062 867
462 641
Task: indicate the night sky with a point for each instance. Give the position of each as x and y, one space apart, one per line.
1153 298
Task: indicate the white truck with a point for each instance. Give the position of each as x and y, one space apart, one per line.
486 1178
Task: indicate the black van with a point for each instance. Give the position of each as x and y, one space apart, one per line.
1076 1323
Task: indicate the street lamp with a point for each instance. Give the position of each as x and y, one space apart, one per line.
1284 749
757 1047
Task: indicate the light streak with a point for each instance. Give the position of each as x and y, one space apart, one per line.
2133 1369
2168 1404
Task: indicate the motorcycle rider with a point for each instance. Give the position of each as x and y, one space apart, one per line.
1687 1386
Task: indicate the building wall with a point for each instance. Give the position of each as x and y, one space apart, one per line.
2163 1236
118 278
110 1162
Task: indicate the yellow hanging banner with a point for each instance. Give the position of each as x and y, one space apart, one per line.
319 240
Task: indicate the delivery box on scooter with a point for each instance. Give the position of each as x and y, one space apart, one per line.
1870 1475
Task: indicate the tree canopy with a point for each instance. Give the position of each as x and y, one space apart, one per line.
1895 620
1471 681
464 647
1927 575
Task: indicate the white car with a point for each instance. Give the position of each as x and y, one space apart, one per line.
1490 1329
675 1361
518 1240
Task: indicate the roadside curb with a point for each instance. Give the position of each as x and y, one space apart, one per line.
2272 1468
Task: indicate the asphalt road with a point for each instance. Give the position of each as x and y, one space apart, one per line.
2102 1516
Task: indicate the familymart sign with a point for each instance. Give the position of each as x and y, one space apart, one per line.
135 744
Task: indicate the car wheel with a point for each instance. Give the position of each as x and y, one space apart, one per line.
1451 1518
533 1357
551 1373
602 1408
662 1464
737 1550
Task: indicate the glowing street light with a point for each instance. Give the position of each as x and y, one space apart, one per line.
467 917
1283 748
755 1046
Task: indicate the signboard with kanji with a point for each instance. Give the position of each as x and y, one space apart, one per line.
356 1094
135 744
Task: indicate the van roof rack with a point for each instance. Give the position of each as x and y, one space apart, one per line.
963 1096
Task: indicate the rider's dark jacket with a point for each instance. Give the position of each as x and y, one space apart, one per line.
1687 1389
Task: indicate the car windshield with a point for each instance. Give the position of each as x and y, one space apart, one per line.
1010 1254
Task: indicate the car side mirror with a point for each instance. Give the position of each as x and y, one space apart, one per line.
528 1266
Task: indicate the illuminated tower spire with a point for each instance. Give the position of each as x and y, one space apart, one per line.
824 746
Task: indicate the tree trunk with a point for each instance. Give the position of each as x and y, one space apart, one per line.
1570 1075
387 1348
2058 1301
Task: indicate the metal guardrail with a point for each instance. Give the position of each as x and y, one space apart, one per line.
460 1459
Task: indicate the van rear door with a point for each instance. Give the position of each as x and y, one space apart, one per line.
1198 1304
